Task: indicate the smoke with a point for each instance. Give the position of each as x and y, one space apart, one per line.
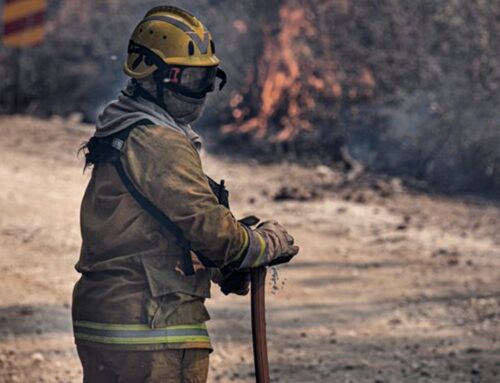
410 87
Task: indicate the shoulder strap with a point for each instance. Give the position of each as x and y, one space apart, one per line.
187 263
117 140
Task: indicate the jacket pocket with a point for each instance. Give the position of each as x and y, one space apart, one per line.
163 279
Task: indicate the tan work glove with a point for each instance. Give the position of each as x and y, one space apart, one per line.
269 244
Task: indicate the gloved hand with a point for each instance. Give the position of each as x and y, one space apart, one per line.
237 282
234 282
269 244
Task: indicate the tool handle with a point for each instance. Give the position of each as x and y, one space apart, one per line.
258 284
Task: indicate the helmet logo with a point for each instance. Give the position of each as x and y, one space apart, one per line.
174 75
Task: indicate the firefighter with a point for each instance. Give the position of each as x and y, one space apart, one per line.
155 229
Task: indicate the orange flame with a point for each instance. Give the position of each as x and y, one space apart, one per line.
290 81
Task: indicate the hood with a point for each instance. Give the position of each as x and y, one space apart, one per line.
127 110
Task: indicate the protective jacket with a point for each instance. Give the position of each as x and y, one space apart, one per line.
133 293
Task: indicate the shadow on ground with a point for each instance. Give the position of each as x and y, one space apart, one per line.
26 320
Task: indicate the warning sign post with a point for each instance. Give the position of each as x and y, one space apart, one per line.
23 22
23 26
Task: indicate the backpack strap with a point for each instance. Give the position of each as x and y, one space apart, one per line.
187 262
118 142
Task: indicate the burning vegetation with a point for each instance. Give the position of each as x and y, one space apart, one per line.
280 78
408 87
291 81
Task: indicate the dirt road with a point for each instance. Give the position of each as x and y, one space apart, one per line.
388 287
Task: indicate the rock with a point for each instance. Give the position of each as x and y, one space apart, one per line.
26 310
325 172
475 371
37 357
383 188
453 262
361 198
451 256
395 321
472 350
445 252
75 118
397 185
415 366
295 193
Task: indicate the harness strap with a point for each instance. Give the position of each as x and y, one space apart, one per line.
117 143
187 262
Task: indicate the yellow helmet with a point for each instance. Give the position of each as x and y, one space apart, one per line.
175 37
178 50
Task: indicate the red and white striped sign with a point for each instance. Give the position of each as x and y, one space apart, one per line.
23 22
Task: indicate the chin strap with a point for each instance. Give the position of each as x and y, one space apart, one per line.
160 87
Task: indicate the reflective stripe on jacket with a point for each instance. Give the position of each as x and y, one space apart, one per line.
141 334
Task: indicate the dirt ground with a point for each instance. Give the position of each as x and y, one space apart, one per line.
389 286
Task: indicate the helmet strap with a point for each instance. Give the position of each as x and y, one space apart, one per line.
139 91
160 87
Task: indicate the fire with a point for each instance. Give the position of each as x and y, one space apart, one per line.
279 67
291 81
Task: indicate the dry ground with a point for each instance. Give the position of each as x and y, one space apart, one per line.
401 288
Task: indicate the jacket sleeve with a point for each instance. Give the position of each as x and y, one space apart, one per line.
166 168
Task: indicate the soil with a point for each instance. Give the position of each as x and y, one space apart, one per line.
391 285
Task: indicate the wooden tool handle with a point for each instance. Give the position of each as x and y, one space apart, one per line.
258 280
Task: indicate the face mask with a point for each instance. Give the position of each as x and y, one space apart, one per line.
183 109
